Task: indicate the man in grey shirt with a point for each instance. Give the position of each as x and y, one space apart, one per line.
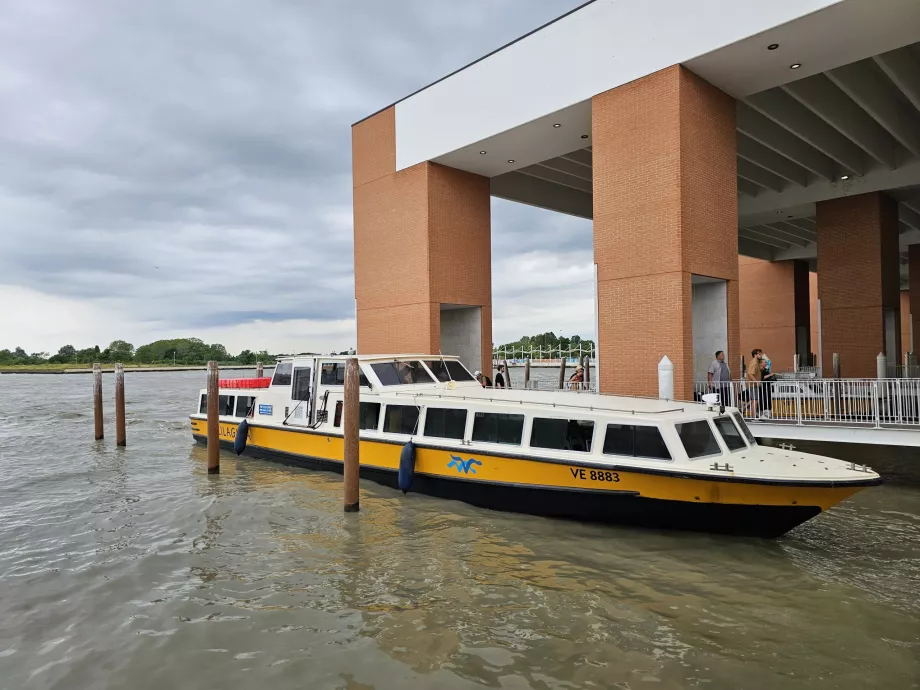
720 378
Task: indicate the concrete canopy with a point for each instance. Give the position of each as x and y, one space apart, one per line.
847 121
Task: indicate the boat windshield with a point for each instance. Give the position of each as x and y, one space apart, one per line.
698 439
448 370
401 373
739 420
729 433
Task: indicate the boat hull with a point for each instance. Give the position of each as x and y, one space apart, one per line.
625 507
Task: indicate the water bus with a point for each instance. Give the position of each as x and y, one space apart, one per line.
637 461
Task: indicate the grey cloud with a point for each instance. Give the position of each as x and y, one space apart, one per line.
190 161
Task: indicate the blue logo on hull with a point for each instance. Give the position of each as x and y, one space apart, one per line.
464 466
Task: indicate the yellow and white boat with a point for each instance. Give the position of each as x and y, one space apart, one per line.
591 457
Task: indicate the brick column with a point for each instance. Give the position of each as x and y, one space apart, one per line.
665 209
913 268
775 309
422 246
858 265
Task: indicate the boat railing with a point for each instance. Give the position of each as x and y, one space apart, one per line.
543 403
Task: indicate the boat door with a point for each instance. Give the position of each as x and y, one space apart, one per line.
301 392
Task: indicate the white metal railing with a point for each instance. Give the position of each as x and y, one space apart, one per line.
875 403
536 354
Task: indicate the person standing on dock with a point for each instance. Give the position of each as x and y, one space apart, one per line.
720 378
578 378
500 377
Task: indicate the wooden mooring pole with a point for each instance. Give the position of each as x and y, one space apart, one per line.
507 373
527 372
587 371
258 370
121 438
350 428
97 400
213 426
562 374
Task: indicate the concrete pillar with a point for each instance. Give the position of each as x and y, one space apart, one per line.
906 324
913 269
858 265
775 309
665 210
423 280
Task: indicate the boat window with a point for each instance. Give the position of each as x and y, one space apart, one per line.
445 423
698 439
203 407
401 373
400 419
370 416
729 433
244 405
333 374
337 418
448 370
301 389
498 428
562 434
635 441
739 420
282 375
225 405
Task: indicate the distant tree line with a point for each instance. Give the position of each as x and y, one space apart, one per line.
187 351
548 341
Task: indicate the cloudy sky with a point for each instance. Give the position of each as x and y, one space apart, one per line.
182 168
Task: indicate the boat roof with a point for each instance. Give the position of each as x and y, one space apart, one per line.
370 358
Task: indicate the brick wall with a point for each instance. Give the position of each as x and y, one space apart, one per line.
905 323
422 238
813 311
774 301
859 277
665 207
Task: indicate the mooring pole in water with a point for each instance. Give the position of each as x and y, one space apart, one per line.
507 374
258 370
527 372
97 400
350 427
120 437
562 374
213 427
587 372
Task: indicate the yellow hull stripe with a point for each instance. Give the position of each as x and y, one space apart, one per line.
558 475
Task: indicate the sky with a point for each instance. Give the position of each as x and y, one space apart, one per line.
183 169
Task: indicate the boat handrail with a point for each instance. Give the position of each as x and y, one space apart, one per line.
591 408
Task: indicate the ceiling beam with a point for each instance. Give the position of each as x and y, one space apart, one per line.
832 105
780 233
765 131
557 177
759 250
767 158
757 175
787 112
863 83
794 231
904 71
569 168
763 238
909 217
807 224
748 188
535 192
581 156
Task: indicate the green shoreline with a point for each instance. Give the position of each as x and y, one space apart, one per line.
110 368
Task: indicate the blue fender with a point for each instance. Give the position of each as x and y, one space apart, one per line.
406 466
239 443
